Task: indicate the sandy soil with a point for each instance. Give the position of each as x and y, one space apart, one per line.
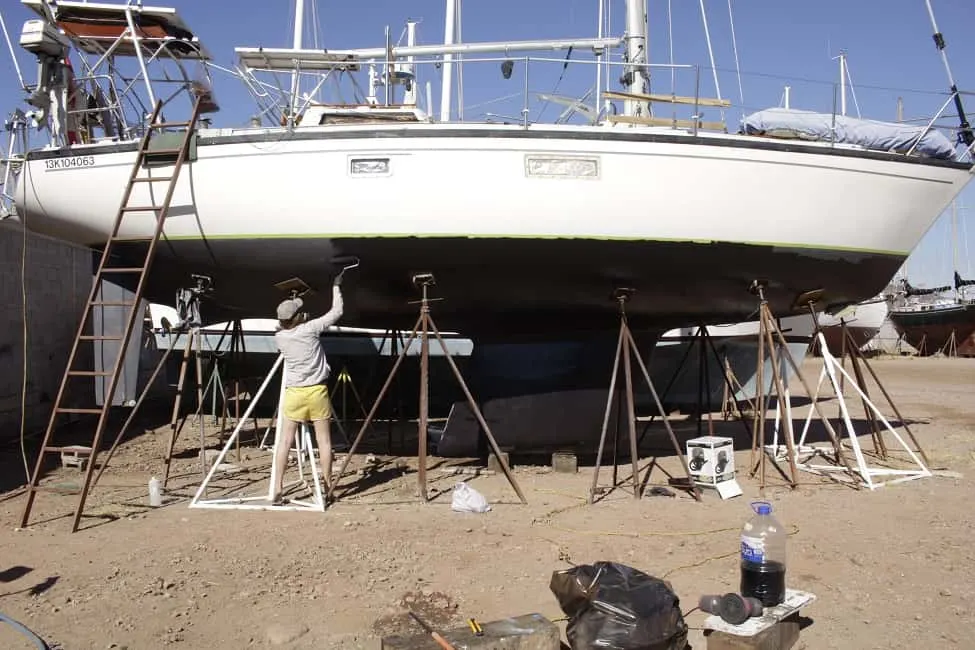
892 568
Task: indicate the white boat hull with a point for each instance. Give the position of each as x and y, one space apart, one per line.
544 221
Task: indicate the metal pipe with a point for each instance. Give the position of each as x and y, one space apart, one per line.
966 131
638 81
842 83
410 95
13 56
456 48
296 44
599 58
138 54
450 24
927 128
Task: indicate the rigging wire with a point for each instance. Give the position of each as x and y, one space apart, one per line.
734 46
707 36
670 45
459 37
853 91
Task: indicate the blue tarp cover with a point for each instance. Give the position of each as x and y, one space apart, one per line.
871 134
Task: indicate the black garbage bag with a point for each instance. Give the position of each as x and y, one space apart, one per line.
617 607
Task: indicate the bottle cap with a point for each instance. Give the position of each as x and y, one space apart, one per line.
762 507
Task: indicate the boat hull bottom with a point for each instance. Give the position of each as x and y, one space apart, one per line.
514 288
929 332
834 338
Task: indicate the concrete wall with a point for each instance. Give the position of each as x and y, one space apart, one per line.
58 280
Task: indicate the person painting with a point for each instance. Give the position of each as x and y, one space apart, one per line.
306 394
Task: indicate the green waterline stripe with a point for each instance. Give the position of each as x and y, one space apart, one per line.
845 249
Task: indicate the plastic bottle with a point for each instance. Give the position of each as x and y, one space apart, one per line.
155 492
763 556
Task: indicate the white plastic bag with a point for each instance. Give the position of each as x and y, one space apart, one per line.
467 499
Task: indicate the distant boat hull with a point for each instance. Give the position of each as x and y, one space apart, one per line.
525 229
930 330
863 322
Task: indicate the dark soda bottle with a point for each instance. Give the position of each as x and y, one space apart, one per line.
763 557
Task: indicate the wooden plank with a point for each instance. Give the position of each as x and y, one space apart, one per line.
670 99
666 121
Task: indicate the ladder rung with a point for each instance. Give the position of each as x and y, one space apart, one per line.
77 410
89 337
131 239
153 179
161 125
142 208
110 303
123 269
160 152
90 373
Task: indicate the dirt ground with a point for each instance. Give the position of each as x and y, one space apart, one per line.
891 568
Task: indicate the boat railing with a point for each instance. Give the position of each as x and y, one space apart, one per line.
684 98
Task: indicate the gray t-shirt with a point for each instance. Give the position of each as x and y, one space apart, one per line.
302 346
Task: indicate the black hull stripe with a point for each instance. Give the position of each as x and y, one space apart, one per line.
521 134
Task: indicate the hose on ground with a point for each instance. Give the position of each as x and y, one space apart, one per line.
20 627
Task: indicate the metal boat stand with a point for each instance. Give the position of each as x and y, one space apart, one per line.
189 311
702 338
423 327
624 347
834 371
188 308
773 347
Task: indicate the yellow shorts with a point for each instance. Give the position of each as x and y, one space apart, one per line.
304 403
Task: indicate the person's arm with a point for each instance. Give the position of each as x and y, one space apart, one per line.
320 324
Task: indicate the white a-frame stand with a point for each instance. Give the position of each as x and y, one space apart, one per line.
862 471
305 453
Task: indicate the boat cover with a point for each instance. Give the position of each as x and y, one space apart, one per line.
870 134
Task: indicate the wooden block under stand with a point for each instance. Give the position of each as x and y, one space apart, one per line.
777 629
529 632
565 462
493 464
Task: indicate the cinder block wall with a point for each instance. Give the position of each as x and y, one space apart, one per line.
58 280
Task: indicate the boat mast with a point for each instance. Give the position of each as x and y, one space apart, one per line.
409 97
636 77
296 44
842 58
450 26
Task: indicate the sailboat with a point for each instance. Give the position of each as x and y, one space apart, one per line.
528 227
938 319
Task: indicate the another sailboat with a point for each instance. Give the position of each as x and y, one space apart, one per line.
939 319
528 227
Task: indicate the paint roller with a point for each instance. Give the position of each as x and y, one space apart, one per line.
345 262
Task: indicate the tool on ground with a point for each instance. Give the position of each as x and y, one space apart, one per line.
436 635
732 608
475 627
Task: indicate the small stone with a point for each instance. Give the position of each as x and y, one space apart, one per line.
283 634
945 592
918 617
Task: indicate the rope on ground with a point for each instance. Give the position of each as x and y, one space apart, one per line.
564 552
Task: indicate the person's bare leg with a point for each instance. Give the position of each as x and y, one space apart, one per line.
281 452
323 435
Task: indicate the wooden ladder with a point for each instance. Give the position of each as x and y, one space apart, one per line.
176 157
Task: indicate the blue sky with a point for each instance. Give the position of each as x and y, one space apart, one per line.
889 46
